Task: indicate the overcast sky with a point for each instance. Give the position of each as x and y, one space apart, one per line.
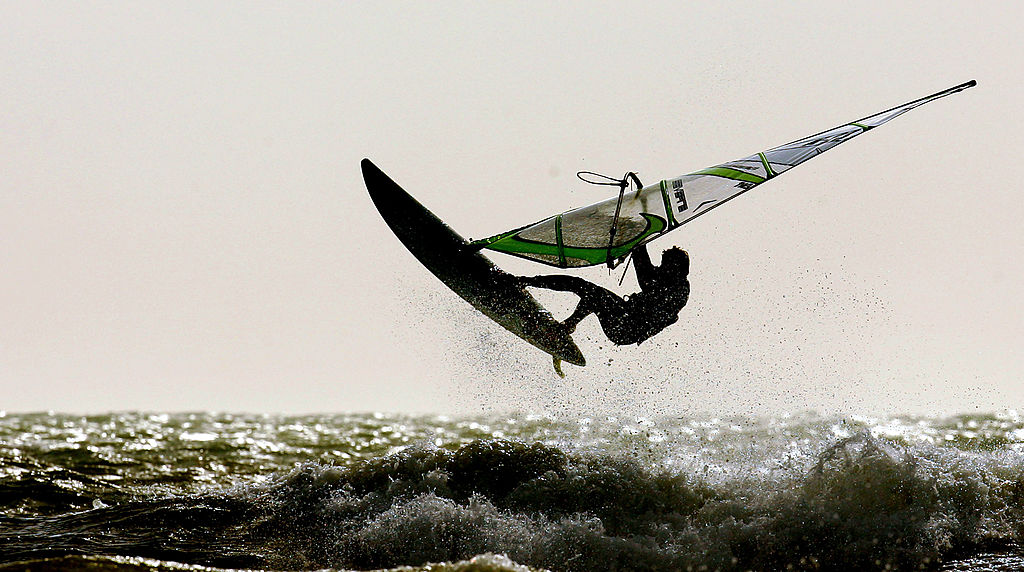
183 224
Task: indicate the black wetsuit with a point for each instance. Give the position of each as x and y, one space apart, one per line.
664 292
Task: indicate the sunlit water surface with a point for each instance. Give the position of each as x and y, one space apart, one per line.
139 491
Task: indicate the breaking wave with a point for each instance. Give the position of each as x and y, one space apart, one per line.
858 503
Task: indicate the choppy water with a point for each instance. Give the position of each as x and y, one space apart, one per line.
148 492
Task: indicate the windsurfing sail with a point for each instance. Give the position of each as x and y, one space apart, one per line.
580 237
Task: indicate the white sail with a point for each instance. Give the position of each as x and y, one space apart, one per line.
582 236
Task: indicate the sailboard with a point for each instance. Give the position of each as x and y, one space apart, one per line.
580 237
600 233
495 293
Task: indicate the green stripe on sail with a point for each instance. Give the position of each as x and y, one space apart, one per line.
733 174
767 167
483 242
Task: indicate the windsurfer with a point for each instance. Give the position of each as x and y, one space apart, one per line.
664 291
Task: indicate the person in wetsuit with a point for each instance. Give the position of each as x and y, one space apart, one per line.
664 291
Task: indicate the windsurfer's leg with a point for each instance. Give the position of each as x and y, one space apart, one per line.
582 310
593 298
616 321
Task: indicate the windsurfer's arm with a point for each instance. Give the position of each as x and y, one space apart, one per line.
645 273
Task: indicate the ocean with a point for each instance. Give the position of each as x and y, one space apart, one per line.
515 492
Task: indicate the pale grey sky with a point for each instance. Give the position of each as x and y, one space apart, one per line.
183 225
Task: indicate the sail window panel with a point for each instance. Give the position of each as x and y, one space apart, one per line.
590 227
572 262
546 258
543 231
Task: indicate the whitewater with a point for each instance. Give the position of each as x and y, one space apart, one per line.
156 491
